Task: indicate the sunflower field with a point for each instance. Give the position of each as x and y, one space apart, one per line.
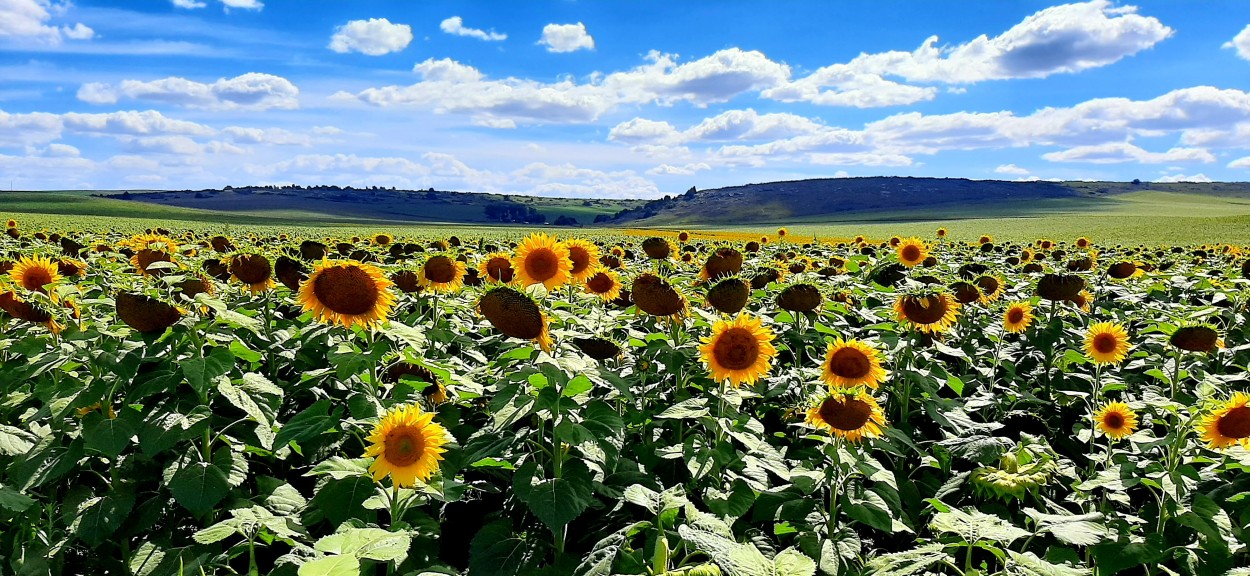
190 402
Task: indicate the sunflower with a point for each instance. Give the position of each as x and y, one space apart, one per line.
540 259
683 236
35 272
941 232
782 232
254 271
852 415
1083 300
912 252
850 363
1196 338
585 256
1228 424
928 312
1017 317
738 350
347 293
1106 343
1116 420
435 392
604 283
516 315
985 239
442 273
150 249
991 288
1082 242
407 444
11 223
380 239
496 267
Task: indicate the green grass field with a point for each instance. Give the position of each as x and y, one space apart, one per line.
1150 217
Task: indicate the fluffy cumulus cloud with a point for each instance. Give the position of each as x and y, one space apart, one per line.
455 26
225 4
373 37
448 86
27 20
1119 152
251 91
566 38
1240 163
1241 43
684 170
1060 39
1011 169
1199 177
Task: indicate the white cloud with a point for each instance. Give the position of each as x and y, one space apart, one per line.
1118 152
1240 163
180 145
27 20
715 78
188 4
1010 169
859 159
132 123
1241 43
251 91
61 151
455 26
686 170
244 4
373 37
276 136
1060 39
566 38
1199 177
497 123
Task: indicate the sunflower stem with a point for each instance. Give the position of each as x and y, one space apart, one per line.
269 361
833 486
1176 374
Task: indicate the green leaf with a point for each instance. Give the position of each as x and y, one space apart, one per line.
1028 564
1079 530
331 566
99 518
201 372
309 423
734 558
108 436
558 501
339 500
217 532
974 526
656 502
1114 556
871 509
579 385
13 500
497 551
791 562
915 561
686 409
367 543
199 486
15 441
1212 523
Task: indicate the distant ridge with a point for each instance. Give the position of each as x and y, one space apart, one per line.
838 199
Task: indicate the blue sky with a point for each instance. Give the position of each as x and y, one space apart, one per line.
617 99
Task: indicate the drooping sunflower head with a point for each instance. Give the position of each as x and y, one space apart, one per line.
928 310
598 348
729 296
442 273
739 350
966 292
496 267
725 261
516 315
151 249
144 313
1228 424
991 288
1196 338
849 414
985 239
434 391
604 283
1106 343
347 293
655 296
541 259
585 257
1123 270
657 248
35 272
71 267
1018 317
912 252
799 298
1060 286
382 239
1116 420
406 444
1019 472
1083 300
253 270
850 363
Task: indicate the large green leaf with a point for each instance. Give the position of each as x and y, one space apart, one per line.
497 551
199 486
557 501
331 566
201 372
309 423
1028 564
974 526
735 558
914 561
1079 530
367 543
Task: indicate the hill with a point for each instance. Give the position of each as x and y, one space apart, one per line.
374 204
894 199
